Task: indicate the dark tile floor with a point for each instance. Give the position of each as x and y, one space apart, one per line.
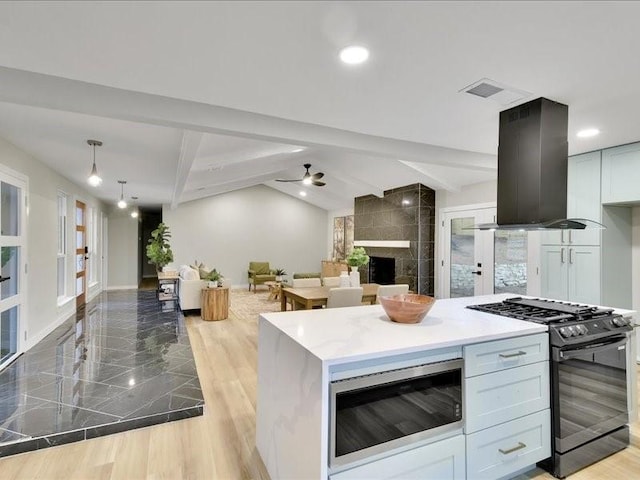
124 361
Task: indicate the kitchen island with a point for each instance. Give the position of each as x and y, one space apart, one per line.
300 353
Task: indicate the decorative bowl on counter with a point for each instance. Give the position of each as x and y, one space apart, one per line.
407 308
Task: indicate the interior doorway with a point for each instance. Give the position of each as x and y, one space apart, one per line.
148 221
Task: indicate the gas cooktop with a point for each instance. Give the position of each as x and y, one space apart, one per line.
569 323
543 311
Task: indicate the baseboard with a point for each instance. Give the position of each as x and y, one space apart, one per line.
62 317
122 287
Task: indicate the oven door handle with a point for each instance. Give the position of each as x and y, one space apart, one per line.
595 348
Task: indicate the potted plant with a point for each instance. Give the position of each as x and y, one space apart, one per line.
215 278
279 274
357 258
159 251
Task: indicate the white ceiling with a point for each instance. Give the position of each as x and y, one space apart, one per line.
238 86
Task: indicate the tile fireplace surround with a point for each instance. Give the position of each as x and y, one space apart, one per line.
120 363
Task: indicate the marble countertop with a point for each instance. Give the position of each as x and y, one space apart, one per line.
359 333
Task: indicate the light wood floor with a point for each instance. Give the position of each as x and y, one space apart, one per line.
220 444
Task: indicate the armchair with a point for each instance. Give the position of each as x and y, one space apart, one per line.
259 272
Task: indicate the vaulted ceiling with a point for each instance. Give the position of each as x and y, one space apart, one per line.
193 99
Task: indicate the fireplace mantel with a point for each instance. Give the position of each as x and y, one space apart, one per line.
382 243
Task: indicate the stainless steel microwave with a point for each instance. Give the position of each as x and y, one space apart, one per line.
375 413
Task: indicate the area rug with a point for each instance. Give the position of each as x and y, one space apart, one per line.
250 305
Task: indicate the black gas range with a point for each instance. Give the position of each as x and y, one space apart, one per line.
588 356
569 323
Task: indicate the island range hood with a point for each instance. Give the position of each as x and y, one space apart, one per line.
532 169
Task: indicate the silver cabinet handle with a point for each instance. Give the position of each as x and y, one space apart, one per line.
561 236
511 355
520 446
571 255
569 236
562 255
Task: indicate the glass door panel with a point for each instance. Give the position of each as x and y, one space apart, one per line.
10 196
462 258
81 251
10 262
510 266
8 333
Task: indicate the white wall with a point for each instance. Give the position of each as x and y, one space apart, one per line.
228 231
42 312
635 258
123 250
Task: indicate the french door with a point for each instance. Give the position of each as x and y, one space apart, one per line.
481 262
13 243
81 253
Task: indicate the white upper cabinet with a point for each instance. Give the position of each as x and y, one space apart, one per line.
621 174
583 201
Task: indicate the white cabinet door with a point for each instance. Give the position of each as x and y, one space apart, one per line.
583 196
554 271
444 460
584 274
620 173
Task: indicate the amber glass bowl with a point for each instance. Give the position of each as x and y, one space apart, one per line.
409 308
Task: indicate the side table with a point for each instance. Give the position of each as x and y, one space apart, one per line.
168 290
215 303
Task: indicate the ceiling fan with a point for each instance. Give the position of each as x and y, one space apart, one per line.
308 179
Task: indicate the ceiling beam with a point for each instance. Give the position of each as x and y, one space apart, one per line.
433 181
48 91
188 151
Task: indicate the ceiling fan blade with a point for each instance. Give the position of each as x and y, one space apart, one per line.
318 184
281 180
317 176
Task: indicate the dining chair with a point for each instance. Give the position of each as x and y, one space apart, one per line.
306 282
331 281
388 290
344 297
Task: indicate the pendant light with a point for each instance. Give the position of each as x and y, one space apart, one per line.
135 213
122 203
94 179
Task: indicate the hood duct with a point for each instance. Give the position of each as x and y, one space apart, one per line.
532 169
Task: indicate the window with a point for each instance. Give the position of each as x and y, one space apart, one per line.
62 244
510 254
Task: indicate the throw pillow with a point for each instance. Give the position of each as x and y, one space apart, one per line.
190 274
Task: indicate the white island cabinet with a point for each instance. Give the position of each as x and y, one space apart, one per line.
300 353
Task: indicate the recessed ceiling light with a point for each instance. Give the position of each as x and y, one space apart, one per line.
297 150
406 202
354 54
588 132
303 193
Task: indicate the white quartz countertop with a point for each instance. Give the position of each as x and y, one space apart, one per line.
358 333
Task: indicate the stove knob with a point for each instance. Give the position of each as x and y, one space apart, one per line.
620 322
573 331
564 332
582 330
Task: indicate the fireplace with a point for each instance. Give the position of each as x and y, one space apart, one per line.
382 270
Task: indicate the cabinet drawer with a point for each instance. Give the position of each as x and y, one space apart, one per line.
444 460
507 448
501 354
502 396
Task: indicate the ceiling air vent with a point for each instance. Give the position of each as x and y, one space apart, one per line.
498 92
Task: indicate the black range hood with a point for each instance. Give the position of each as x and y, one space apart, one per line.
532 169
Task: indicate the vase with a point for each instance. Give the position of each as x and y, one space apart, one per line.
213 284
354 277
278 278
344 279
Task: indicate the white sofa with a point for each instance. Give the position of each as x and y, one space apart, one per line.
190 288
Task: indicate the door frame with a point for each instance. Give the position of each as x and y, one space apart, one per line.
22 181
